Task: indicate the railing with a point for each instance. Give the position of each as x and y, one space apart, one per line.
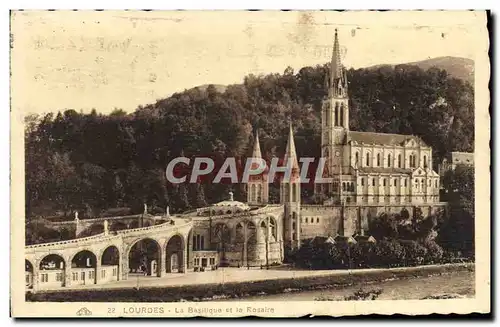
99 219
73 241
154 227
104 237
259 211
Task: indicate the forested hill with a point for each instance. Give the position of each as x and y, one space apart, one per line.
89 162
461 68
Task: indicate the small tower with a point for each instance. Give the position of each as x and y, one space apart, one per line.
257 187
290 195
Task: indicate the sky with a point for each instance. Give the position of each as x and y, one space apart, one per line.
116 59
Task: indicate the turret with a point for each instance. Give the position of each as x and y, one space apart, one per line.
257 187
290 195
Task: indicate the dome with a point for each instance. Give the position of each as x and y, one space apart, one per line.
231 205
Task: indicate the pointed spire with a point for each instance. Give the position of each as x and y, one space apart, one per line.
256 147
336 65
291 154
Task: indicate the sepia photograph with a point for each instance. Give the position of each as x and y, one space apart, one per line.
249 163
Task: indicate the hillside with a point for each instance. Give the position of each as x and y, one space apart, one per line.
461 68
92 162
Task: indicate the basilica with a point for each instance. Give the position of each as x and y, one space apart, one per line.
370 173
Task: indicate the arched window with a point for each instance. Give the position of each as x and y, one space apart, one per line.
373 182
294 192
317 220
253 194
343 186
436 183
368 159
307 220
395 182
384 181
341 122
362 181
357 157
259 193
399 161
425 161
336 114
378 159
389 160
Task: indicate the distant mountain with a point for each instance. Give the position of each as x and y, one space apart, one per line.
457 67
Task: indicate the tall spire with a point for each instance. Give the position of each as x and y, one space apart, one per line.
291 154
337 81
256 147
336 64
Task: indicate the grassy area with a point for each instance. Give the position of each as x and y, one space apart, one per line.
206 292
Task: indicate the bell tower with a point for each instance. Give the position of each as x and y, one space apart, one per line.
334 120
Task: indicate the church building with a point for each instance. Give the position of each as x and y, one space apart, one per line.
370 168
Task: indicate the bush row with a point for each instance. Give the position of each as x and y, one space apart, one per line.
382 254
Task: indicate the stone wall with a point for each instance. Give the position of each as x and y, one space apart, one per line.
326 221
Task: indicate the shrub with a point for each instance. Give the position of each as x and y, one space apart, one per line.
434 252
415 253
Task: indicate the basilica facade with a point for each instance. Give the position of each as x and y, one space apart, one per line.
370 168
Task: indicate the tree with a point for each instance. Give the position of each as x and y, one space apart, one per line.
457 232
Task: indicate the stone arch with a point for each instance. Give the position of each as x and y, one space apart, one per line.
272 228
110 255
84 258
29 271
28 266
142 256
174 250
52 270
84 267
222 237
52 261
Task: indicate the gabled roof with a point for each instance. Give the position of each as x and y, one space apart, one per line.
380 138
